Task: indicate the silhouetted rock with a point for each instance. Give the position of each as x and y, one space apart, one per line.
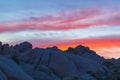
86 53
12 70
3 76
79 50
114 61
27 68
0 47
26 57
61 65
85 64
24 46
21 62
5 49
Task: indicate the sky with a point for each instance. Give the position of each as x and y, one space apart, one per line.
63 23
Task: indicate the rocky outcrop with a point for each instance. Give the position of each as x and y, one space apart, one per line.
61 65
0 46
12 71
2 76
22 47
21 62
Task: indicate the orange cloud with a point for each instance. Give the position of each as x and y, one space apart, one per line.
70 20
98 45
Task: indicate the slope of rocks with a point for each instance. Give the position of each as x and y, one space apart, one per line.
21 62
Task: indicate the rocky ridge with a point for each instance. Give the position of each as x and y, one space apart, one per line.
21 62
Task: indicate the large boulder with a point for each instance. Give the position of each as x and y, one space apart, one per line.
43 76
78 50
42 56
80 76
5 49
27 68
26 57
85 64
44 73
38 53
61 65
0 46
12 70
54 58
8 51
86 53
3 76
22 47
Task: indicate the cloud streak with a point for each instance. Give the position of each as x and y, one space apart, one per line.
60 35
76 19
96 28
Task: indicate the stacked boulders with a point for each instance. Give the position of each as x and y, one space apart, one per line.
22 62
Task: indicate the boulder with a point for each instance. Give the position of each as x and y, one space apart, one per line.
12 70
78 50
22 47
8 51
79 76
61 65
84 64
44 73
45 58
26 57
43 76
0 47
5 49
27 68
84 76
3 76
38 53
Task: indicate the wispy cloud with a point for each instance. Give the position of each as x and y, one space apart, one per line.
75 19
96 28
92 32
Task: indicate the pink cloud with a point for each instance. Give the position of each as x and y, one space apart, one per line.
64 21
101 41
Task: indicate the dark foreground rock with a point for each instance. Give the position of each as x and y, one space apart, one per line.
21 62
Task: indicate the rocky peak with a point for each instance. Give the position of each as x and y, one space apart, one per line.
23 46
79 50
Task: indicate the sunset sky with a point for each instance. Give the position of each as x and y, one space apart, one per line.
63 23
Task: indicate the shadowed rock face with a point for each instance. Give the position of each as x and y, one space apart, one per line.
23 46
21 62
0 46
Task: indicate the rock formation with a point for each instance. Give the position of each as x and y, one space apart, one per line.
21 62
